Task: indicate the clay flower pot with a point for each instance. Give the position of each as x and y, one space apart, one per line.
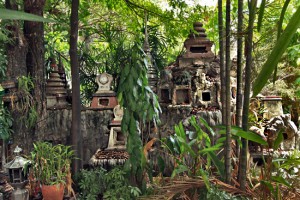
53 192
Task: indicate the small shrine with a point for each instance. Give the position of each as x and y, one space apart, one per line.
104 96
194 79
115 153
56 86
117 140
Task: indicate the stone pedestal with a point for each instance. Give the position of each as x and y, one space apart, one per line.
272 107
117 139
104 100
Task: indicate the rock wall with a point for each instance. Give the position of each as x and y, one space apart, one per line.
57 129
95 127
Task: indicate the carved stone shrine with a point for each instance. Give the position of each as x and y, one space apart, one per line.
194 79
104 97
115 153
56 87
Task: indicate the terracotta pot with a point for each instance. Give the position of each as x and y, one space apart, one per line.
53 192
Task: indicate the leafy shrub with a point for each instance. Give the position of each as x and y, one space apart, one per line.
113 185
216 194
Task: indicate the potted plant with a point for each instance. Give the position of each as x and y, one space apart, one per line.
51 168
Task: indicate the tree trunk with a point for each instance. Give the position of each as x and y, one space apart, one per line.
247 89
222 66
16 51
239 76
76 105
34 33
228 98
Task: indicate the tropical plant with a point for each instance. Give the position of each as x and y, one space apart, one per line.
112 184
25 103
91 183
217 194
50 163
193 150
279 173
140 106
6 122
276 53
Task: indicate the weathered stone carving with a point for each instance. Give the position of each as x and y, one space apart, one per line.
104 96
194 79
287 126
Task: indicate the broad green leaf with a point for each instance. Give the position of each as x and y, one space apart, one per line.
18 15
218 163
279 29
209 149
283 10
278 140
276 53
249 136
205 178
281 180
221 140
204 122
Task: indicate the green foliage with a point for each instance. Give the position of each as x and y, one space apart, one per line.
17 15
193 150
51 163
3 63
91 183
108 29
248 135
280 170
276 53
217 194
297 83
112 185
6 121
140 105
25 103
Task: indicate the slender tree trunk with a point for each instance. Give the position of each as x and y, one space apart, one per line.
247 89
239 76
228 98
34 33
222 66
76 105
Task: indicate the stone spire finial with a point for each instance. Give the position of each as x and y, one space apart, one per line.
197 44
198 27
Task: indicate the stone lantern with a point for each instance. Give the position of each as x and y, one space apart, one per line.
17 177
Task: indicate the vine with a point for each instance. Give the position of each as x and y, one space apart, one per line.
140 106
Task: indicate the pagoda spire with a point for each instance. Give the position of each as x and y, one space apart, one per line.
152 71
